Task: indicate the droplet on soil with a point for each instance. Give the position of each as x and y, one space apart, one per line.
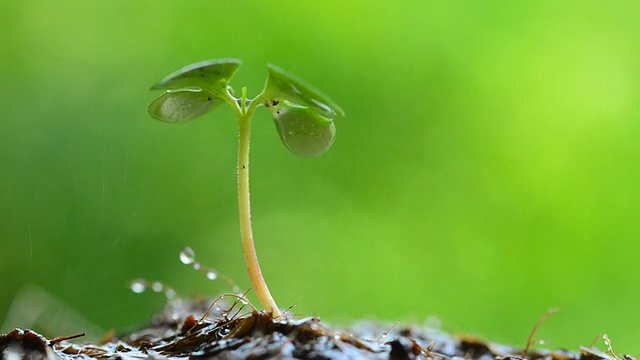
187 256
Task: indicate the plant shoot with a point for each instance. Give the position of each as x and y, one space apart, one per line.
303 117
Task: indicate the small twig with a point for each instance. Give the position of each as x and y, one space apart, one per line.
226 312
240 308
593 343
608 343
535 330
64 338
427 352
286 311
239 297
384 334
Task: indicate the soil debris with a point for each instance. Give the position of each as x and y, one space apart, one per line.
176 333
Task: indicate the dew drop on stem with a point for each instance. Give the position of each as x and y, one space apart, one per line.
170 293
187 256
138 286
212 275
157 286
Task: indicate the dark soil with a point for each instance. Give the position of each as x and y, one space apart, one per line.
176 333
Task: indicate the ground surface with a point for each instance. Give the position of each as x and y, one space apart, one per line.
241 333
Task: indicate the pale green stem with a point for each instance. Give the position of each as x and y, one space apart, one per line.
244 205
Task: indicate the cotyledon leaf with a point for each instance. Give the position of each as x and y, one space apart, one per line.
182 105
211 75
302 130
284 86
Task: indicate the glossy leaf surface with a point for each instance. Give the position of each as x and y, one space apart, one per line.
193 90
284 86
302 130
182 105
212 75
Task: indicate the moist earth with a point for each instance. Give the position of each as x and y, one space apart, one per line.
180 331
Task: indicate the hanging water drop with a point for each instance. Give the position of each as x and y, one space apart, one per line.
157 286
212 275
302 130
187 256
170 294
138 286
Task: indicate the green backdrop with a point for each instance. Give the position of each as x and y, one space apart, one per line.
487 169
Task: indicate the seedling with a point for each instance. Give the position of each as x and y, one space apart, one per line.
303 117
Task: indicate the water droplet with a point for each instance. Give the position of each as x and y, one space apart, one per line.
303 131
212 275
196 266
157 286
187 256
138 286
170 294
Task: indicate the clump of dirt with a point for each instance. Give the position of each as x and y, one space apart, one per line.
181 331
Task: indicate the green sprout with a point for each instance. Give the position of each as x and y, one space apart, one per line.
303 117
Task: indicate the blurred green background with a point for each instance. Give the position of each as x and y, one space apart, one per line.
487 169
